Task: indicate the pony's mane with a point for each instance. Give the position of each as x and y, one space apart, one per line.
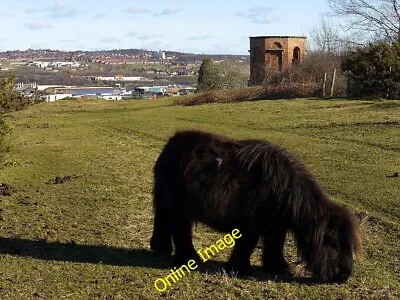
298 194
286 178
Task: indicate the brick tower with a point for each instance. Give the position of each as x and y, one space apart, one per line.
274 54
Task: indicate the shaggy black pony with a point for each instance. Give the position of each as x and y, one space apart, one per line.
258 188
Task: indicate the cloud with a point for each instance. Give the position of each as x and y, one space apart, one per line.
220 48
144 35
38 46
109 39
5 15
59 10
131 34
149 36
137 11
100 15
259 15
38 25
156 45
199 37
68 41
33 10
170 11
142 11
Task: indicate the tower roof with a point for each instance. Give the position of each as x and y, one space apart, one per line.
278 37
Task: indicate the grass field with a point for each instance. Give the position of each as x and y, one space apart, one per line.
89 236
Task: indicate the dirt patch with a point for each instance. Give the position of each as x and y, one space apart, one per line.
336 106
394 175
39 126
339 125
61 180
386 105
388 123
26 201
6 189
361 216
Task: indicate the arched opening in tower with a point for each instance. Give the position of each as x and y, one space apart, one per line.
296 55
279 55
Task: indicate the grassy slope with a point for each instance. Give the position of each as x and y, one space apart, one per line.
89 237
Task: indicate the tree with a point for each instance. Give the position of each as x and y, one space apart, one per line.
209 78
374 71
5 128
326 37
10 99
380 19
232 75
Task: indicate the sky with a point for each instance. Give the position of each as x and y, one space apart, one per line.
201 26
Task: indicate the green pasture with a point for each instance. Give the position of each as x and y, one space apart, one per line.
88 236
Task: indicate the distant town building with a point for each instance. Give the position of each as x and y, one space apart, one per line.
121 78
151 89
111 97
21 85
91 91
56 97
41 87
160 55
274 54
187 91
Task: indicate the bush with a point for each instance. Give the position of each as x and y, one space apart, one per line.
10 99
313 68
308 76
374 71
5 130
268 92
221 96
302 80
221 75
232 75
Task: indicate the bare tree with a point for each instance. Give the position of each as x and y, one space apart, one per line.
326 37
232 75
380 19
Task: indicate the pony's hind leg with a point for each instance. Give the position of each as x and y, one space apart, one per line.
240 258
273 258
161 240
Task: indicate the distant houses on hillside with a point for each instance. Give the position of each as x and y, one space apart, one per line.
55 64
181 72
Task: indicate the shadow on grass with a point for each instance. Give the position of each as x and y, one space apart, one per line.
100 254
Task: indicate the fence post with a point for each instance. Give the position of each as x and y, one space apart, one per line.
348 85
324 85
333 82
